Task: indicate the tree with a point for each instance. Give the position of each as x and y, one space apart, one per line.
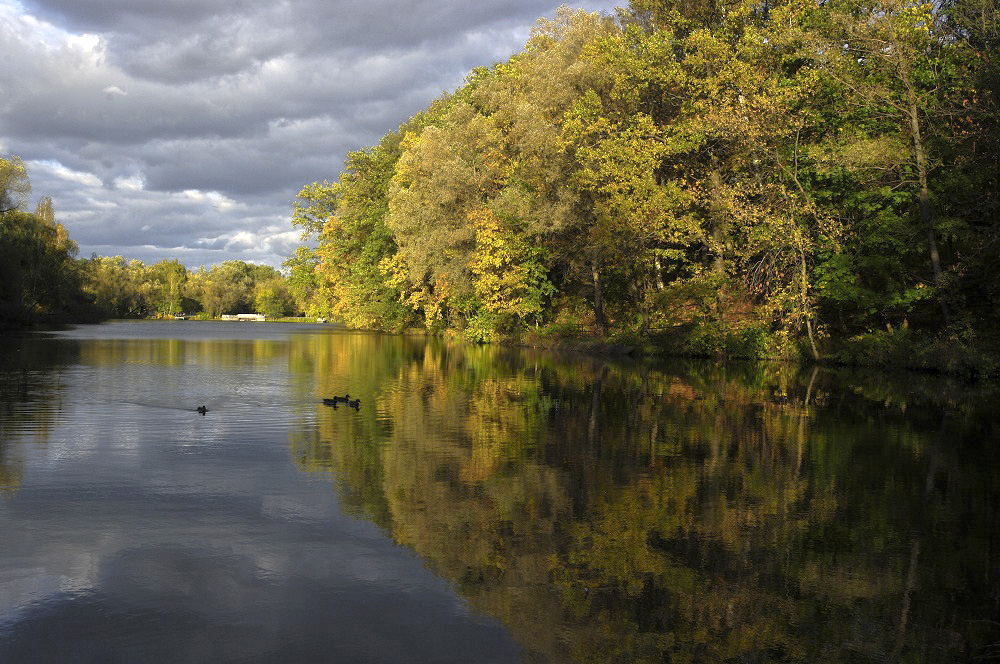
113 283
357 240
272 298
14 184
45 211
226 288
302 280
433 189
893 58
726 177
38 276
510 275
167 279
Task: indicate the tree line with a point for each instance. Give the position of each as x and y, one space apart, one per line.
42 281
122 288
740 178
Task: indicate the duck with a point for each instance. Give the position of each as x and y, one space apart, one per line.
201 410
335 400
356 404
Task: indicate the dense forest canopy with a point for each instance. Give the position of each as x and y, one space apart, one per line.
718 177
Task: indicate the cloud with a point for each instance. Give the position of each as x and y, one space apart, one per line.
130 183
121 106
57 170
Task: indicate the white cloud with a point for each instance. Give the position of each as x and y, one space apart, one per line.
130 183
209 117
58 170
102 203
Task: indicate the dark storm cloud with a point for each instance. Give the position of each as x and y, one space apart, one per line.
184 128
257 27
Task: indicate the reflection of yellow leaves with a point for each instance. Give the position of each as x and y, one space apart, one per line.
471 473
10 478
844 586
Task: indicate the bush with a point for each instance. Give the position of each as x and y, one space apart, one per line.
749 340
481 328
908 349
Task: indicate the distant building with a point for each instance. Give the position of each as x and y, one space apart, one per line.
243 317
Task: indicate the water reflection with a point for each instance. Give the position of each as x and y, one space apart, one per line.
612 512
593 510
139 530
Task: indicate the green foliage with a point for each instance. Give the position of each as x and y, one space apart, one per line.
39 281
302 280
348 276
483 327
273 299
115 286
14 184
315 204
167 279
730 181
716 339
917 350
123 288
510 274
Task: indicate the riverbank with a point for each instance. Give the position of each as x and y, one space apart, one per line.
896 350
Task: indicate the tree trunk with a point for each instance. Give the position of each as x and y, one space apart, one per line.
718 223
598 297
926 209
806 313
594 425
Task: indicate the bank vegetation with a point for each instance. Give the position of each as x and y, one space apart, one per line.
792 179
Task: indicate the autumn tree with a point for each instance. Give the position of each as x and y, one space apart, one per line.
39 280
721 178
14 183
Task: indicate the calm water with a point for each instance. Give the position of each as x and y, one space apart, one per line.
482 505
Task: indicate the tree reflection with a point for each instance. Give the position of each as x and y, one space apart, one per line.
31 385
623 512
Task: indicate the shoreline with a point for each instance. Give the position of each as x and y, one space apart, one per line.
901 351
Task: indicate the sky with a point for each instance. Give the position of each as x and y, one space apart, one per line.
185 128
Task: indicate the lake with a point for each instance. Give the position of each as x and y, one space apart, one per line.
482 504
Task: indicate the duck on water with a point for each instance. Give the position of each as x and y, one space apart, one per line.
346 399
